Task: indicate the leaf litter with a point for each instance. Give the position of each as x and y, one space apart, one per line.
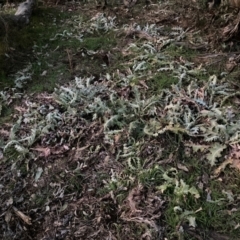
92 159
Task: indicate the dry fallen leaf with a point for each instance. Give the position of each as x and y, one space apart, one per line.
24 217
222 167
44 151
8 216
143 84
182 167
132 204
236 163
230 66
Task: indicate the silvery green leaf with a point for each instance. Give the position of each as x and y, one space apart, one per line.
229 195
166 42
215 152
150 47
3 95
235 138
196 72
180 29
38 174
139 66
177 209
165 69
201 102
182 188
21 149
108 76
113 121
194 130
9 144
14 129
192 221
30 139
211 138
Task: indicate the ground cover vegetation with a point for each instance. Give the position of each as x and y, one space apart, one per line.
121 122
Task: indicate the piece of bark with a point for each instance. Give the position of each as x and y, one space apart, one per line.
19 19
24 12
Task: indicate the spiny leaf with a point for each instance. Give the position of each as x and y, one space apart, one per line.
215 152
196 147
31 139
14 129
182 188
211 138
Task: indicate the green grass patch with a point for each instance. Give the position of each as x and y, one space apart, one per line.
4 80
6 114
43 26
176 51
103 42
161 81
214 211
